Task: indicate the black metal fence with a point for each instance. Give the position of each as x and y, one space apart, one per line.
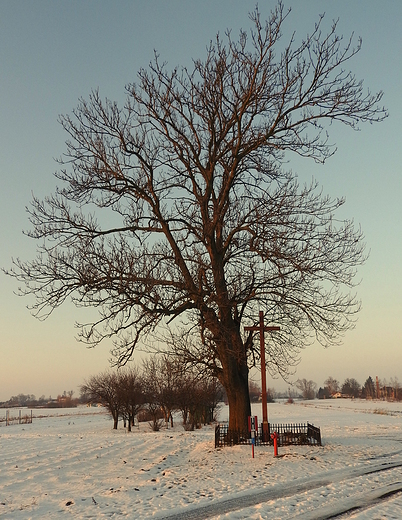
287 434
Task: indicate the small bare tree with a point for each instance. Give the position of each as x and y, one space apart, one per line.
185 386
104 389
307 388
159 373
210 393
331 385
153 396
254 391
396 386
131 394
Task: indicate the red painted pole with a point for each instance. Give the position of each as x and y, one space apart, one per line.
274 436
263 381
262 329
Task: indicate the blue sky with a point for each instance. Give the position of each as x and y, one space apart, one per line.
54 52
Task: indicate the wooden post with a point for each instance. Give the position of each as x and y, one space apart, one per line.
261 329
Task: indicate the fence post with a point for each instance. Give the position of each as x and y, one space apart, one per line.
217 435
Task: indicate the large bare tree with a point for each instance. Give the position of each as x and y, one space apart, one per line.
176 208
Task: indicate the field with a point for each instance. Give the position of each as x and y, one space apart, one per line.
71 464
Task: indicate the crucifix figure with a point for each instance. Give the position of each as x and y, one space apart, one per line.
261 329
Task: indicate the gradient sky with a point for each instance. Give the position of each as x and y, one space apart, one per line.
54 52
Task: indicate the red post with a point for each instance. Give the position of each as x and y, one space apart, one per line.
265 427
275 436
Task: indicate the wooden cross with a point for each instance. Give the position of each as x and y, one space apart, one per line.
261 329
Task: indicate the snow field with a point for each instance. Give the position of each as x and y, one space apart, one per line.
72 464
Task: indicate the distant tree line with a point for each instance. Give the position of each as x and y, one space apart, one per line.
162 386
64 400
371 389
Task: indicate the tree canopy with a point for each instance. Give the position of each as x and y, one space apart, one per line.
176 209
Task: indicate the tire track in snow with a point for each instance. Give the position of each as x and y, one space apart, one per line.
353 504
364 499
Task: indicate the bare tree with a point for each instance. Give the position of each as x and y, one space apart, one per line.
185 390
270 395
177 206
307 388
254 390
66 400
131 394
332 385
159 372
104 389
210 393
396 386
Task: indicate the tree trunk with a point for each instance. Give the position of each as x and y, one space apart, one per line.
236 385
234 374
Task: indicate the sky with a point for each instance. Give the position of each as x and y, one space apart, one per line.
54 52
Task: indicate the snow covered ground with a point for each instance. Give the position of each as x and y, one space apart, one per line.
70 463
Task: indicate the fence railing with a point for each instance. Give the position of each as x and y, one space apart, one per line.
8 419
287 434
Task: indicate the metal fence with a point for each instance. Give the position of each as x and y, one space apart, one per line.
287 434
8 419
